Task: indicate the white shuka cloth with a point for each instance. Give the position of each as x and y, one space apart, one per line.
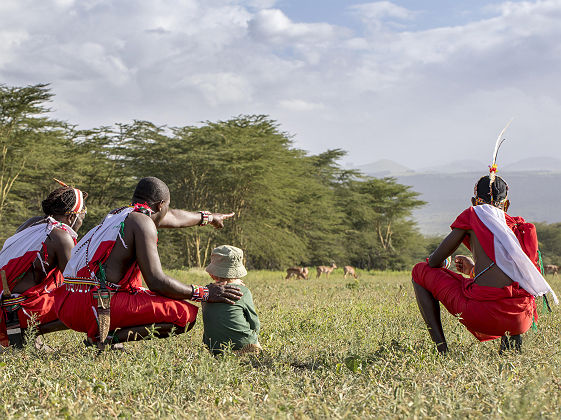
509 256
105 233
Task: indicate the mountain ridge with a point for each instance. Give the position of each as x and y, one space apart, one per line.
532 192
388 167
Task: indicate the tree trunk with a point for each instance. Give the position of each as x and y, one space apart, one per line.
198 249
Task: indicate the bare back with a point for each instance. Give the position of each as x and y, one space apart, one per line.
494 276
141 237
121 258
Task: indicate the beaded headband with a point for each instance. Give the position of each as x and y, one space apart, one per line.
79 207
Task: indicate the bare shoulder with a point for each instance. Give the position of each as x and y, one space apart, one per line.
61 237
140 223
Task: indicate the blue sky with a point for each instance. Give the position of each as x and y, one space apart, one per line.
417 82
430 13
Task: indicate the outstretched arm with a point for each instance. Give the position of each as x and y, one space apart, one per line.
145 238
447 247
176 218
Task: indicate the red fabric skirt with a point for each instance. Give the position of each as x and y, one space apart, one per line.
40 302
487 312
130 308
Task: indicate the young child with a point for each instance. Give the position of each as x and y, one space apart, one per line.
224 324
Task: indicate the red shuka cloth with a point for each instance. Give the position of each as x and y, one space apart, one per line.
17 257
525 233
40 301
487 312
132 305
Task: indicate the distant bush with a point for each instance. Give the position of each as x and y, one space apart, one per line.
549 237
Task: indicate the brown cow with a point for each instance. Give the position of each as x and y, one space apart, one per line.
325 269
299 272
551 269
350 271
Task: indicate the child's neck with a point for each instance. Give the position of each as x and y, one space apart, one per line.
234 281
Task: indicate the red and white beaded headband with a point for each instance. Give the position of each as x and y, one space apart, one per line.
79 199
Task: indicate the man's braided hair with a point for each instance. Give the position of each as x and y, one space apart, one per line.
494 193
60 201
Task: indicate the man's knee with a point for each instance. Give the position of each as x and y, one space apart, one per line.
418 271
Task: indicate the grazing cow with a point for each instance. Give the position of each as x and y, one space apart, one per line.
325 269
299 272
350 271
551 269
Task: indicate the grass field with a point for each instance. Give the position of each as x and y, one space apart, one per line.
333 349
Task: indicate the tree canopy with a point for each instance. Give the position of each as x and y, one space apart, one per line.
292 208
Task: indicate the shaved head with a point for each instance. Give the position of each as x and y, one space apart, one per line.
150 190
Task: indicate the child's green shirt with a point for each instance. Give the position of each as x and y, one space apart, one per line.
224 323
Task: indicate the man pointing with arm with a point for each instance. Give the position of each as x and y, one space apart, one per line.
102 289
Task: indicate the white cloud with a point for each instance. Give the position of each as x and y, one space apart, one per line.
10 42
380 10
221 88
377 90
273 25
300 105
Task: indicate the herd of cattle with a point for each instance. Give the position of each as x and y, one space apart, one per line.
303 272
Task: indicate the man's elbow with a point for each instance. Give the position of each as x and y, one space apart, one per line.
156 285
433 263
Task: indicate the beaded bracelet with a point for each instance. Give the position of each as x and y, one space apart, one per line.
200 293
205 218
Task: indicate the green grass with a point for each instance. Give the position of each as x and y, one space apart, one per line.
333 349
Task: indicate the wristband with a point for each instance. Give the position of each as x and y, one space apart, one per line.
205 218
445 264
200 293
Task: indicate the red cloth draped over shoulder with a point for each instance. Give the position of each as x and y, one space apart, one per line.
131 305
487 312
525 233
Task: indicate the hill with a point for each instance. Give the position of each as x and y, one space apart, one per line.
447 189
540 164
535 197
384 167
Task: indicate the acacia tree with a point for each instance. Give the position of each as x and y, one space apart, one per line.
27 135
379 233
291 207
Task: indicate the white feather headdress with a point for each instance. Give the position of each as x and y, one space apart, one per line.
493 167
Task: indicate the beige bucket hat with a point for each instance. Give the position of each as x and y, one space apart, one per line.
226 261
